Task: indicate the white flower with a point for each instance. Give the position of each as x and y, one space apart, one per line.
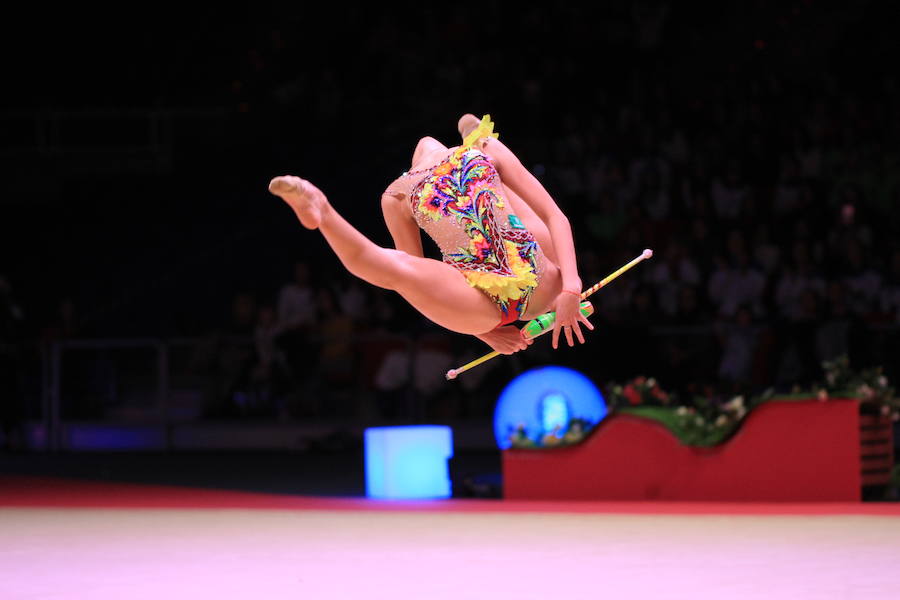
651 382
721 421
681 411
882 382
741 413
735 403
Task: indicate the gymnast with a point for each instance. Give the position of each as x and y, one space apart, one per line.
507 248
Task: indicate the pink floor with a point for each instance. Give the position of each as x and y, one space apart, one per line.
75 539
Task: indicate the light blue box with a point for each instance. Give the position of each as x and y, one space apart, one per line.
408 462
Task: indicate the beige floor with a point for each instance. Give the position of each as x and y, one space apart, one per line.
269 554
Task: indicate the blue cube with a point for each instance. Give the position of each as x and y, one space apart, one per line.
408 462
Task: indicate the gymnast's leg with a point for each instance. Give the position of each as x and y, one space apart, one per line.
437 290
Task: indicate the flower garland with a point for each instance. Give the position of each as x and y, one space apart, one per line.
701 421
869 385
575 431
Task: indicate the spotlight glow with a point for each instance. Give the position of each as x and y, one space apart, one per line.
543 399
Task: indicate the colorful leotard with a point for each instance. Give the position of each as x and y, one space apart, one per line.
459 203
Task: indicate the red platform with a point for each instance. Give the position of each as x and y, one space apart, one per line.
784 452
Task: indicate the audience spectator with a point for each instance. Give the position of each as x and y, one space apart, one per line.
690 309
862 281
351 296
267 373
235 359
797 279
11 335
296 302
336 364
738 340
791 194
296 324
766 252
675 271
834 334
736 282
890 293
730 194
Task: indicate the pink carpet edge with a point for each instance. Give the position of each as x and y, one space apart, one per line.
52 492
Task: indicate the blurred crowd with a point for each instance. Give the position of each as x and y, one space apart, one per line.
330 346
743 145
771 216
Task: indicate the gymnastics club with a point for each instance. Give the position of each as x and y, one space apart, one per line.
452 373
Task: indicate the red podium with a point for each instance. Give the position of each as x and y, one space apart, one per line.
797 451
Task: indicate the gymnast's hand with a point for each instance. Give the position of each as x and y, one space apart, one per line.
569 318
505 340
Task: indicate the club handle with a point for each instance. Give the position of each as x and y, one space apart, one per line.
544 323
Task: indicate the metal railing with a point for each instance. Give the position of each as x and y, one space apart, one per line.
57 360
54 376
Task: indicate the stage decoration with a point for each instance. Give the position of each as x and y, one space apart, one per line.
547 407
707 420
408 462
702 421
869 385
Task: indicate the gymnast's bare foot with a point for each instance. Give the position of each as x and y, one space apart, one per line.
466 124
306 199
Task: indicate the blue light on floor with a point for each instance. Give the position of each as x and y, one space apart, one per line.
408 462
543 400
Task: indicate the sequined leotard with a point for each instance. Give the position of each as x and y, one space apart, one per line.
459 203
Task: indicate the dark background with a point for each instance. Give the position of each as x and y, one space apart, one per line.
751 144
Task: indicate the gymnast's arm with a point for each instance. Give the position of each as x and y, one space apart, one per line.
520 180
515 176
402 225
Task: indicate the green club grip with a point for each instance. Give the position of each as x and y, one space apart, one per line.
544 323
